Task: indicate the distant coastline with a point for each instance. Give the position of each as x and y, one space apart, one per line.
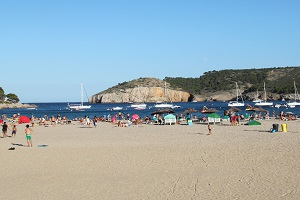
16 105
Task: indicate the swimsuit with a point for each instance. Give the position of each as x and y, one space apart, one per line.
14 132
28 137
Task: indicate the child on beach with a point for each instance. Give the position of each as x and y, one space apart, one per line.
14 131
4 129
209 129
28 132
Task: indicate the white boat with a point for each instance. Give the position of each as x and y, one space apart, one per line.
115 108
295 102
138 105
237 103
163 105
160 104
79 106
264 102
256 100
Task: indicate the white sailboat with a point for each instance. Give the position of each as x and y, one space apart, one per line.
138 105
256 100
294 103
237 103
264 102
79 106
160 104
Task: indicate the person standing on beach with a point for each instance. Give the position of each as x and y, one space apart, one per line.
14 131
4 129
209 129
28 132
95 121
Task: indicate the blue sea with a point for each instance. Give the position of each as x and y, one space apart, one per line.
52 109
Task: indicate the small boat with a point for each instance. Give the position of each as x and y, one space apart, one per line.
31 108
160 104
264 102
237 103
295 102
115 108
79 106
138 105
163 105
175 106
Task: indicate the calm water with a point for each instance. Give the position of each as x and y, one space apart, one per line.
52 109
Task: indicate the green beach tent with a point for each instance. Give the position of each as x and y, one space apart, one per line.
253 122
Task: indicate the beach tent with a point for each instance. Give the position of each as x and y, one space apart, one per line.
253 123
170 119
24 119
214 117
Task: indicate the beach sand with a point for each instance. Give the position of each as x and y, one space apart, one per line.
152 162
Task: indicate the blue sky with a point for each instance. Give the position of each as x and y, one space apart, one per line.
48 48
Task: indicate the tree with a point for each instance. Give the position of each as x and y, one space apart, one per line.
12 97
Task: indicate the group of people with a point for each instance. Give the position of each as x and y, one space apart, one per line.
28 131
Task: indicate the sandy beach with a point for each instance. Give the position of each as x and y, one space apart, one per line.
152 162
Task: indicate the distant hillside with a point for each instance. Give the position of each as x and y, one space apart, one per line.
278 80
211 86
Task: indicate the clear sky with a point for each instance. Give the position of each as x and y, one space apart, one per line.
49 47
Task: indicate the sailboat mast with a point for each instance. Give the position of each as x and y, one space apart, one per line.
81 86
237 92
265 91
295 91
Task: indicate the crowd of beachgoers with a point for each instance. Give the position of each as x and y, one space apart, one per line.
125 120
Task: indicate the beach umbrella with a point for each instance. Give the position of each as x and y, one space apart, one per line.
135 117
231 110
190 110
234 109
259 109
162 111
209 110
24 119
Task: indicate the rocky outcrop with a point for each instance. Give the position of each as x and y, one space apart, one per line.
16 105
140 94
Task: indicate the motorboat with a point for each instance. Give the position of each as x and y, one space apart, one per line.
115 108
163 105
175 106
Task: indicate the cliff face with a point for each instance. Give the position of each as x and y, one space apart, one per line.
140 94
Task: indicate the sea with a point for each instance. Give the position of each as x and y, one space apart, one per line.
52 109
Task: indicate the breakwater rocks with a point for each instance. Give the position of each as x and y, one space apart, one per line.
141 94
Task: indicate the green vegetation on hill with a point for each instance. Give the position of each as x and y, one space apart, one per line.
278 80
